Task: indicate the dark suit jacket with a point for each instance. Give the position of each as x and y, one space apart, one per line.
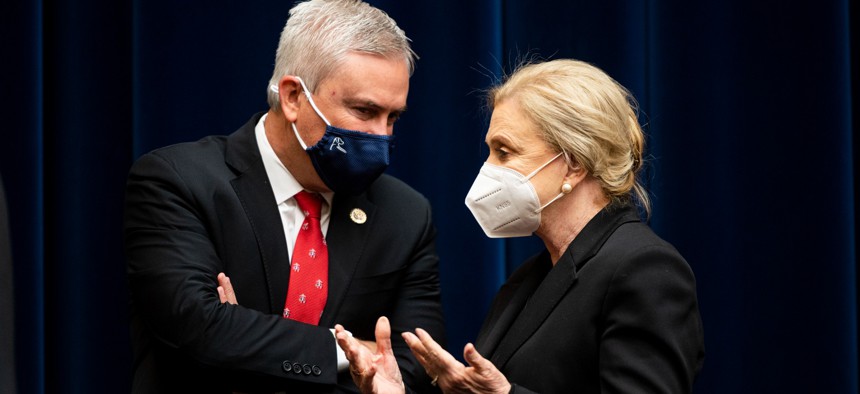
617 314
196 209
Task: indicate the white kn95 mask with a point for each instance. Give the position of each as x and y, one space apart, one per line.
505 203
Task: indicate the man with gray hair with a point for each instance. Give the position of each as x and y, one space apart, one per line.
293 216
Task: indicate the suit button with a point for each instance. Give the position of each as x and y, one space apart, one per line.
287 366
297 368
316 370
306 369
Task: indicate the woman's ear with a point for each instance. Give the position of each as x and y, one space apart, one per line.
575 173
289 91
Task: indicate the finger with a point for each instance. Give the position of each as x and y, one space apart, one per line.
416 347
346 343
221 295
360 359
439 364
471 355
228 290
383 336
435 352
227 286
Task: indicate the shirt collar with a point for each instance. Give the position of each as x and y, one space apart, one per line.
284 184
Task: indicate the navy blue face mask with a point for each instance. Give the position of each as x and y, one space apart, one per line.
347 161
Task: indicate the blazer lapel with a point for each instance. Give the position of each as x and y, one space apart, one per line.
255 193
535 309
557 282
514 297
346 239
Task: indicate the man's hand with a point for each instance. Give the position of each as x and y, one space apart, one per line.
481 376
225 290
373 371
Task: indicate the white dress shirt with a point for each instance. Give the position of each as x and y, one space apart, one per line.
285 187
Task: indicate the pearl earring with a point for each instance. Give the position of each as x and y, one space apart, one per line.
566 188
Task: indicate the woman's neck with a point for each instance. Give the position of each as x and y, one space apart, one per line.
565 218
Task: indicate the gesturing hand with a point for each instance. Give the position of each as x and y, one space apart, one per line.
373 372
481 376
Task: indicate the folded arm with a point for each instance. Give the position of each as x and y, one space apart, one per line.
172 262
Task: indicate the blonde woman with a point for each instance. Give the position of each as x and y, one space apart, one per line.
608 307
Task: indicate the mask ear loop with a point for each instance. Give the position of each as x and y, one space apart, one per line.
533 173
560 195
313 105
311 100
296 132
308 95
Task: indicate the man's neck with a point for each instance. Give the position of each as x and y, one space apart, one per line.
290 153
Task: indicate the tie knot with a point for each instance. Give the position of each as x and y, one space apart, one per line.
310 203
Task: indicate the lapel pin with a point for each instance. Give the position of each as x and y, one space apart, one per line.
358 216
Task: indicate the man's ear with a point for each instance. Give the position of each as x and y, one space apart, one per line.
289 91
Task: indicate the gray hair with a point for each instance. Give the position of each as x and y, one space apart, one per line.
320 33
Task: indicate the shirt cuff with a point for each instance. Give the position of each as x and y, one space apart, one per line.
342 362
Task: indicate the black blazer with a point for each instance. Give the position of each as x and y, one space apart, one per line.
196 209
617 314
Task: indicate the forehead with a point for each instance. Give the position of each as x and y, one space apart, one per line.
381 80
509 122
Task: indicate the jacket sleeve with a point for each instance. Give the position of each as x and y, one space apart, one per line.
172 265
419 305
651 341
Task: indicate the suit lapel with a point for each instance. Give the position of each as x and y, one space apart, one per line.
255 193
547 294
514 297
346 239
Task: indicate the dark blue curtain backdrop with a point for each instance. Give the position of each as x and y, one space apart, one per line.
748 109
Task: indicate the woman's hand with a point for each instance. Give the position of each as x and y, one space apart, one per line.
481 376
373 372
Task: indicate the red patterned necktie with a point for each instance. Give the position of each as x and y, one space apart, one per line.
308 289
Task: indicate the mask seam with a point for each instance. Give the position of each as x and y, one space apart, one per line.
487 195
506 223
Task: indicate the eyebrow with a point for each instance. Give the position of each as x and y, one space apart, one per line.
502 139
372 104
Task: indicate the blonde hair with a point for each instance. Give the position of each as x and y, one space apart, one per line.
586 115
320 33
